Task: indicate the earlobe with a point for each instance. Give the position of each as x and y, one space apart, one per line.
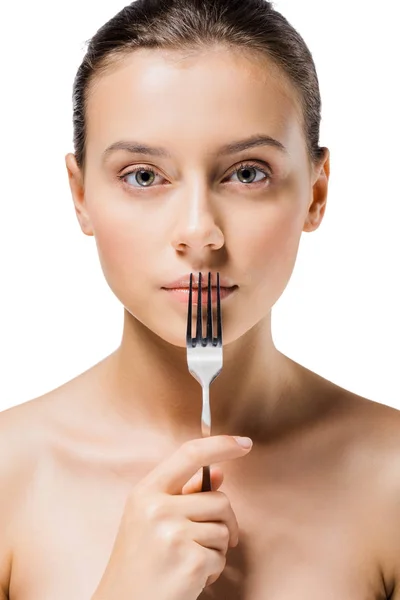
317 205
78 193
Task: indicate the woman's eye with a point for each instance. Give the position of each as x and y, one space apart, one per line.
144 177
247 174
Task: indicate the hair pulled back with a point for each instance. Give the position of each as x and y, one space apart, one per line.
251 25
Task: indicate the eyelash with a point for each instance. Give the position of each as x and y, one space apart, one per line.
243 165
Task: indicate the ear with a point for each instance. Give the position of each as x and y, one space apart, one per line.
317 205
78 193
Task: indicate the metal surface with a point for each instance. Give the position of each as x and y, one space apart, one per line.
204 355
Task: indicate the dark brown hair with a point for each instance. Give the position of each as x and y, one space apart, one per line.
253 25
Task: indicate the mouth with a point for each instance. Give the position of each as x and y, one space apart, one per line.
215 278
182 294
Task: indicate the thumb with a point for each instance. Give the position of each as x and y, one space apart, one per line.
194 484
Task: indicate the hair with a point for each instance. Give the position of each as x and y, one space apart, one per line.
250 25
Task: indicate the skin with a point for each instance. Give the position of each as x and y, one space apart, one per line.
188 224
317 498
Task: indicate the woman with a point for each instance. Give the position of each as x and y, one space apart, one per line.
196 130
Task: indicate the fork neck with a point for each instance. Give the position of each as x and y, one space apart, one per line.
148 382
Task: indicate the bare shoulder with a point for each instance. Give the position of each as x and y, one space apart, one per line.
370 447
28 431
350 415
374 424
358 442
363 426
23 440
361 433
375 429
369 430
11 475
30 434
383 454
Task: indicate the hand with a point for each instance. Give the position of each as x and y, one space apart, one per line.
172 542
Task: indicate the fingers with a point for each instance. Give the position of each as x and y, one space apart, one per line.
172 474
194 484
211 535
208 507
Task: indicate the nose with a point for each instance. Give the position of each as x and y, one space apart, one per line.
197 222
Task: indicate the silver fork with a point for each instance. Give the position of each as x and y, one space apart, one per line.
204 356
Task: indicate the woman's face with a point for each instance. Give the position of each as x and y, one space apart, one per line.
240 213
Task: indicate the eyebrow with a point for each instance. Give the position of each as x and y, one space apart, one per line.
232 148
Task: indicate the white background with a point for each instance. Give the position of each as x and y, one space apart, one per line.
339 315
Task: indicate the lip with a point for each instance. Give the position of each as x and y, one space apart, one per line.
184 281
182 294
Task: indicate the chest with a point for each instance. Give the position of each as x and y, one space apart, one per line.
296 541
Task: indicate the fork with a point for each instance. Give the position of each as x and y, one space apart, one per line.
204 356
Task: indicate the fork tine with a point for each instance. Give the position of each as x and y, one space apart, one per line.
218 339
189 320
199 326
209 339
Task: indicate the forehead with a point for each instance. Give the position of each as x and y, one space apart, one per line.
203 97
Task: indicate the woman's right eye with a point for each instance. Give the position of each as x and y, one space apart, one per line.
141 175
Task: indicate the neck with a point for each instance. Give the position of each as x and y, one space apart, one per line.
147 382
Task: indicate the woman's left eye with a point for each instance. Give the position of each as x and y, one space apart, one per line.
145 176
246 171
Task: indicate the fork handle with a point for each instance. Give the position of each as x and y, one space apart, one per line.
206 485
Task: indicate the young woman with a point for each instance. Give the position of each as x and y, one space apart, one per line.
196 130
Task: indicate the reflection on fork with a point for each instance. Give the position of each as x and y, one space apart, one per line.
204 355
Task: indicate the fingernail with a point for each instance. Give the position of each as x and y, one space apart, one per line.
244 442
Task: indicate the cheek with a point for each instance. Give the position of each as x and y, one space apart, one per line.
121 243
278 240
270 250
